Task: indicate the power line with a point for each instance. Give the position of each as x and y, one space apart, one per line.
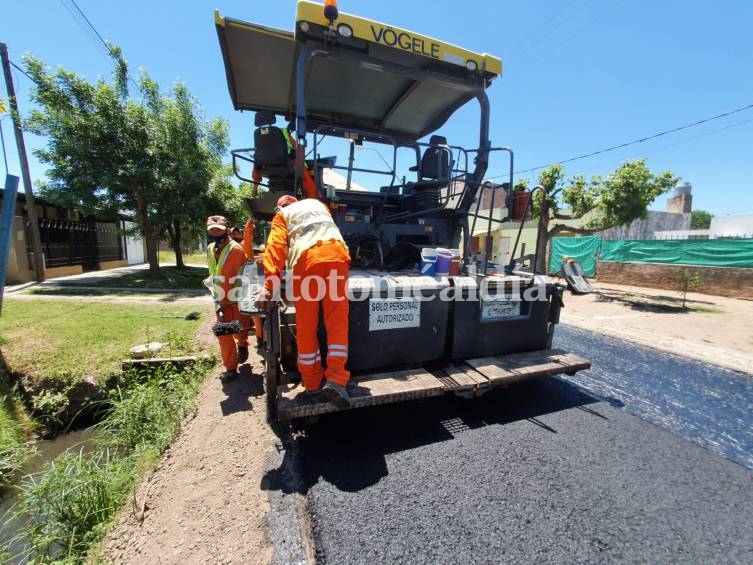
660 147
569 38
86 29
93 29
641 140
91 26
531 40
23 71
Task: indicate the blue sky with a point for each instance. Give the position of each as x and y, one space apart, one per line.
580 75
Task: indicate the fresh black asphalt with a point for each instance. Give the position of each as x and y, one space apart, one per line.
700 402
543 471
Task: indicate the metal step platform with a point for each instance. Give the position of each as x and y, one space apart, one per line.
471 377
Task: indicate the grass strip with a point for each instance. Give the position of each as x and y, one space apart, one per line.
197 258
67 341
169 278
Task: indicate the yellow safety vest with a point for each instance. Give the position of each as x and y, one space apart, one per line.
288 140
308 222
215 267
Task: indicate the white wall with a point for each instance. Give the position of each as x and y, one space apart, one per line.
134 246
682 234
740 226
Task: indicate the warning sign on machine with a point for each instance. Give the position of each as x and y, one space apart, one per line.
394 313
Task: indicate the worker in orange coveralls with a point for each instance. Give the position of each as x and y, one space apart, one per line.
304 240
225 258
248 247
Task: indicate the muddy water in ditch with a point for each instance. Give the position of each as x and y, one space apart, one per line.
46 451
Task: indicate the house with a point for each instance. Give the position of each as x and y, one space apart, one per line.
71 242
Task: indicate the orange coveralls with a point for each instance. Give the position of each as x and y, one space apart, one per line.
248 247
228 270
323 258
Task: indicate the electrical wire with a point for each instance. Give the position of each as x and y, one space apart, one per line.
91 26
660 147
88 28
22 71
5 154
640 140
578 32
531 39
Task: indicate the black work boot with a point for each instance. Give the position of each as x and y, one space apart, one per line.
337 394
242 353
228 376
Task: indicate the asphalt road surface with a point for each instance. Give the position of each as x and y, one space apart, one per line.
543 471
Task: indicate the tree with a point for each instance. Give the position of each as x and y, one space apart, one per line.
613 201
189 159
109 153
700 220
687 281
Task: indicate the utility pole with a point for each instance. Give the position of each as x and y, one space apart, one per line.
31 208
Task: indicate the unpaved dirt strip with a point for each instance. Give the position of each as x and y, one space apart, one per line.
206 502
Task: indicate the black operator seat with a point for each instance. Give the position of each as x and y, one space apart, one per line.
273 159
434 174
436 163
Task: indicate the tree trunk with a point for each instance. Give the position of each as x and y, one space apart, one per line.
150 233
542 239
151 236
177 240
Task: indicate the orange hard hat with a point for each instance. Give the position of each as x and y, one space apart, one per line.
286 200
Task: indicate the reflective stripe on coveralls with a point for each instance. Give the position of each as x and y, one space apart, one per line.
335 313
314 261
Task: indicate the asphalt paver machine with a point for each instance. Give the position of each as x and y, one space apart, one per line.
427 317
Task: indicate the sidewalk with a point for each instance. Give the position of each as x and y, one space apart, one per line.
713 329
84 279
91 281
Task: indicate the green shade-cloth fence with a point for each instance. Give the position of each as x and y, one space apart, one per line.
707 252
582 249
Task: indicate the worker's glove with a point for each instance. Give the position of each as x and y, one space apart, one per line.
219 314
263 300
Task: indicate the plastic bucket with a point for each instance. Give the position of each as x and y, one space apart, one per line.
428 261
444 259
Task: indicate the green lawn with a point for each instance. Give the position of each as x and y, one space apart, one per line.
168 258
69 340
170 278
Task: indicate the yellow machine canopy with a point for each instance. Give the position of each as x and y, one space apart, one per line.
358 73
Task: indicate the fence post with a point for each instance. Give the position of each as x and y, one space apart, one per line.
6 228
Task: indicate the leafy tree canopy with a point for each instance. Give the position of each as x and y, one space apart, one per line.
700 220
154 157
618 199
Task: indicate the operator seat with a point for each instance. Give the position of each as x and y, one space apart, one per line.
434 173
273 159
